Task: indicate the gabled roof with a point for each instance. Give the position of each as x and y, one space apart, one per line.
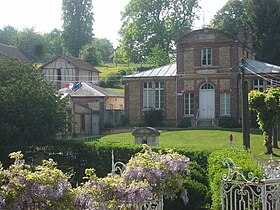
258 67
90 90
163 71
77 62
12 52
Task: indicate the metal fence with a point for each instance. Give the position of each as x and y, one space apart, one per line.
241 193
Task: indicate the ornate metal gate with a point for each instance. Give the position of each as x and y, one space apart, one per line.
241 193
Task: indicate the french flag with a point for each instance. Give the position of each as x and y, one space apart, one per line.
69 85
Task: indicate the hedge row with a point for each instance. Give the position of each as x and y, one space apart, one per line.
203 184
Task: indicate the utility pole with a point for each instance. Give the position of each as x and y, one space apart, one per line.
245 109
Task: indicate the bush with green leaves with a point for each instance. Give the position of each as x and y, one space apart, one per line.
216 170
153 117
229 122
31 112
47 187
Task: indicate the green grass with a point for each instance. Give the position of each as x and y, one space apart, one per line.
119 90
208 139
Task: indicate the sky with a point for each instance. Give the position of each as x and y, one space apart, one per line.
45 15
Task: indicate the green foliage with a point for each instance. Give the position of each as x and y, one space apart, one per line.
262 22
31 44
158 57
54 44
185 123
90 54
7 34
77 25
228 122
151 26
216 170
104 46
153 117
30 111
267 106
230 18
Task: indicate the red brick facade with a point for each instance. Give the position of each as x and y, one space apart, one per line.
186 94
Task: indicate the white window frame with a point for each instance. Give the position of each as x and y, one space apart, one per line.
225 104
206 57
159 95
153 95
258 84
189 104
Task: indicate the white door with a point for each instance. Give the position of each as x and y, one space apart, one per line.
207 101
95 123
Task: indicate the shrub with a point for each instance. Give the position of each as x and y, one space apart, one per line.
228 122
153 117
216 170
185 123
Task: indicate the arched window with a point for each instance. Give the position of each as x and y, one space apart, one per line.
207 86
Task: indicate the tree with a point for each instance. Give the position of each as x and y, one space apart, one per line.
30 111
230 17
104 46
31 43
267 106
77 25
54 43
7 34
96 52
90 54
262 21
151 23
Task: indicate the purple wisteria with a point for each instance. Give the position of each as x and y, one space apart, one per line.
146 174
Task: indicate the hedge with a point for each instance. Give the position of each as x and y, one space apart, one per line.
203 184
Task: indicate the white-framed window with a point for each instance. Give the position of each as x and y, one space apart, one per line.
225 104
159 92
206 57
271 83
189 104
258 84
153 95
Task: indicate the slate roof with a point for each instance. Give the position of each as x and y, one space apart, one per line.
77 62
91 90
258 67
12 52
163 71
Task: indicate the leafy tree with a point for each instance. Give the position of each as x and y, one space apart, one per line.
7 34
54 43
151 23
30 111
262 21
104 46
77 25
230 17
90 54
267 106
31 43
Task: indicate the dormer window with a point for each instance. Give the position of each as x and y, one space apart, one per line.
206 57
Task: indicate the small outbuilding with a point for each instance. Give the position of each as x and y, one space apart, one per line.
146 135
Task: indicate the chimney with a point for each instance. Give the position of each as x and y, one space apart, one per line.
250 40
241 34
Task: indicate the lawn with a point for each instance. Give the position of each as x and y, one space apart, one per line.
202 139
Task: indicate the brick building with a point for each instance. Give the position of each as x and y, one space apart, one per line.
203 85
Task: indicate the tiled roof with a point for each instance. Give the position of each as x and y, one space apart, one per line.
77 62
163 71
254 66
90 90
12 52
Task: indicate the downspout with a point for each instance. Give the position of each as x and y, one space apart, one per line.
176 81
